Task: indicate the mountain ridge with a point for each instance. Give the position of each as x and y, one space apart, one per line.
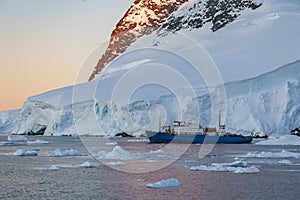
145 17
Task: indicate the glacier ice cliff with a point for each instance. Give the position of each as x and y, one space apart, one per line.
267 104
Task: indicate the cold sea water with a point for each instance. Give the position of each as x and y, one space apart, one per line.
123 172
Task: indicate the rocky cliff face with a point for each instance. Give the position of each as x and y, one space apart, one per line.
165 16
142 18
217 13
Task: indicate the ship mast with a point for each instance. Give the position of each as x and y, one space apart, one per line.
219 119
159 123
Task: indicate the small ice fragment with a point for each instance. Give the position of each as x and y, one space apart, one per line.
169 183
5 143
139 140
246 170
38 142
119 163
89 165
52 168
71 152
118 153
233 164
17 138
235 167
111 143
285 162
24 152
263 154
83 165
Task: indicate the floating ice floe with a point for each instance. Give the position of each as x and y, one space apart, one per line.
52 168
116 154
17 138
89 165
71 152
38 142
138 140
24 152
239 167
5 143
118 163
83 165
157 151
233 164
263 154
271 162
111 143
246 170
169 183
282 140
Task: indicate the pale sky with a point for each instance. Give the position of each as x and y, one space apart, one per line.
44 42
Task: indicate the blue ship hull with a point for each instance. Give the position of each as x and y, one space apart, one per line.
161 137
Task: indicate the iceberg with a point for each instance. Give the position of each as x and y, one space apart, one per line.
118 153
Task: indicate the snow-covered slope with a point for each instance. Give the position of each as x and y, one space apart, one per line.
146 17
252 42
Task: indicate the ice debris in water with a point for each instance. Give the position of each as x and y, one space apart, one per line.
111 143
89 165
282 140
38 142
246 170
169 183
118 163
52 168
116 154
71 152
263 154
235 167
139 140
17 138
5 143
24 152
233 164
83 165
